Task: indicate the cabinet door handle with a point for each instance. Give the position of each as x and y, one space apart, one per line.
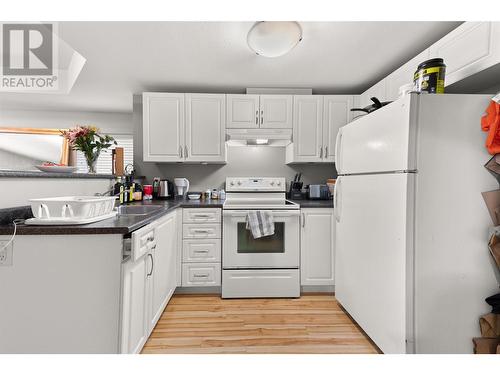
152 265
256 117
326 152
303 220
186 151
321 152
261 117
180 152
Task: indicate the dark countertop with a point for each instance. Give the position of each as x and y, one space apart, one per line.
121 224
40 174
310 203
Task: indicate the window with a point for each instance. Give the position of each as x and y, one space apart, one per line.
104 161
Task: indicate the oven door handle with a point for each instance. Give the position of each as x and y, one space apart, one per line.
276 213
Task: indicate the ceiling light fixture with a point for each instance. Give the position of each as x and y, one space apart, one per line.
274 38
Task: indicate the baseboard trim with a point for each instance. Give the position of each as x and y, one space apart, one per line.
218 290
317 289
198 290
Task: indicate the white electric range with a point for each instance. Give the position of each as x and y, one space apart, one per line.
267 266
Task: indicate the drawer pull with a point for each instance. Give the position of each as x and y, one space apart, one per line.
201 251
202 215
202 230
151 239
204 275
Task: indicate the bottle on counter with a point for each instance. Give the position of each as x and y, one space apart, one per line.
208 194
156 187
118 189
222 194
127 190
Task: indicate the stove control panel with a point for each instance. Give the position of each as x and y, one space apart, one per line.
255 184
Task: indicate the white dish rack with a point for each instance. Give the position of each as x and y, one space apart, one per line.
72 208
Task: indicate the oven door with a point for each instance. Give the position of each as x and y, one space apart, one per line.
241 250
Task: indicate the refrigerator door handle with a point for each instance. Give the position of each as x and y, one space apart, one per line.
338 145
336 206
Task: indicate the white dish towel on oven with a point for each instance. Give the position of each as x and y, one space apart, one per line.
261 223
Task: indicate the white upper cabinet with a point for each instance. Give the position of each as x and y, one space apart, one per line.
404 75
317 246
163 127
259 111
205 128
307 128
243 111
184 127
469 49
316 122
336 113
276 111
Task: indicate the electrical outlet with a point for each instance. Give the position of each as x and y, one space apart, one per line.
6 254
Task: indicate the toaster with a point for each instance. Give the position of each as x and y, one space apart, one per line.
319 192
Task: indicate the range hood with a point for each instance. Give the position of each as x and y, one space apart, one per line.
261 137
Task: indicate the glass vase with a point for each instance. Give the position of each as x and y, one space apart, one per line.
91 159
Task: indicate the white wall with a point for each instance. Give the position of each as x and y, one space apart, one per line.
17 191
109 122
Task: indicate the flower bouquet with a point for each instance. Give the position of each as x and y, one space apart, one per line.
88 140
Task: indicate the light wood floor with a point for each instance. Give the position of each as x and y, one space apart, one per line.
209 324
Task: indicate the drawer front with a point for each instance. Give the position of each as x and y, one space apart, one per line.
201 231
261 283
201 215
201 274
201 250
142 241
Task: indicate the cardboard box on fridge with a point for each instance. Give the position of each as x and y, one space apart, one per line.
492 200
489 324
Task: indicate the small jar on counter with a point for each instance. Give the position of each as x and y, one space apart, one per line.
148 192
215 194
208 194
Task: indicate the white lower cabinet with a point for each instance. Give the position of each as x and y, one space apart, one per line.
201 274
201 247
149 281
162 281
317 246
133 315
195 251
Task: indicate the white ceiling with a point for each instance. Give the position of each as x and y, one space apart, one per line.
125 58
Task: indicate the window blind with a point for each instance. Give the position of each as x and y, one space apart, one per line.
104 161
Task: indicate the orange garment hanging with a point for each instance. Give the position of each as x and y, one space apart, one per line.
490 122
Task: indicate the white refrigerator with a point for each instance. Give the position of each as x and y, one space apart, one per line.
412 264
